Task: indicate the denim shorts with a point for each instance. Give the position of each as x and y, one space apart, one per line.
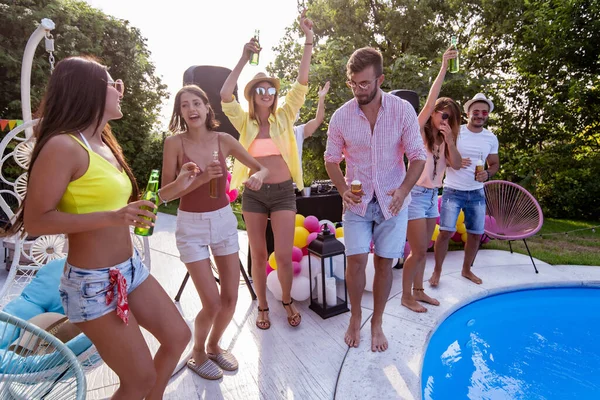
424 203
269 198
472 202
83 291
388 236
195 232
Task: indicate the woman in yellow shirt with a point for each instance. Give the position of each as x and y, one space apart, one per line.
266 131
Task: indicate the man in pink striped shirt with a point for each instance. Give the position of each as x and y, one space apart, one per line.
372 132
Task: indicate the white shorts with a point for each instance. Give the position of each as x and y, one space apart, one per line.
195 232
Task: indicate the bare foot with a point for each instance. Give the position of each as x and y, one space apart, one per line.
420 295
472 277
378 340
435 278
352 337
412 304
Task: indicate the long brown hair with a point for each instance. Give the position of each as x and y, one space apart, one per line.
443 103
251 106
178 124
74 100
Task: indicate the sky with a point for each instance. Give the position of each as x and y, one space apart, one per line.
184 33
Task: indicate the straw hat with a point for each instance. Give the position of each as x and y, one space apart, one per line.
56 324
478 97
260 77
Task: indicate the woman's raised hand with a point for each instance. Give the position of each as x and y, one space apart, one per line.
306 25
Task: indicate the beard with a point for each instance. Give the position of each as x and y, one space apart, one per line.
363 100
478 122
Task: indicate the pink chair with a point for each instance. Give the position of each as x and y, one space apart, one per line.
512 213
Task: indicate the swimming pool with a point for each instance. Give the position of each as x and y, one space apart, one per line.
529 344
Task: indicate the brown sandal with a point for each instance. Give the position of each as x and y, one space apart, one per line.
296 316
263 323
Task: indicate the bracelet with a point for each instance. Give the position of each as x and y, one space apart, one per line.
164 202
308 44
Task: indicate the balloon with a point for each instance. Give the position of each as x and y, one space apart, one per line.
311 237
490 224
464 237
457 237
311 223
339 232
273 285
273 261
299 220
296 254
315 265
406 250
461 218
369 272
372 247
439 203
436 232
437 220
268 269
304 267
300 236
338 266
300 288
228 176
227 187
485 239
329 224
431 243
305 250
296 267
233 194
461 228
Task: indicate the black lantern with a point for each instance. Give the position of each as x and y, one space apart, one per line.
327 265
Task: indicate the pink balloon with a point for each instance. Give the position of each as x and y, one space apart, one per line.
233 195
406 249
457 237
227 186
228 177
431 243
297 268
268 269
311 223
439 203
437 221
485 239
311 237
305 250
372 247
296 254
490 223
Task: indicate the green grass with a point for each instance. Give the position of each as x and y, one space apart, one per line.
171 208
551 245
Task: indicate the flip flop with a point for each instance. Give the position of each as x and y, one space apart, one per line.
207 370
225 360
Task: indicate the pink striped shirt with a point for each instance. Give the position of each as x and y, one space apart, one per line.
376 160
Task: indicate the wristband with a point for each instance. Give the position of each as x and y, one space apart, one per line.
308 44
164 202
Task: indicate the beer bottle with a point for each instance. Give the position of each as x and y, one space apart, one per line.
151 195
479 165
254 56
453 62
213 189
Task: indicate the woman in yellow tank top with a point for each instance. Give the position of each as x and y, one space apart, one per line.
266 130
80 185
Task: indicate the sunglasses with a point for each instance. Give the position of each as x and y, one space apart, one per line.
477 112
261 91
118 84
445 115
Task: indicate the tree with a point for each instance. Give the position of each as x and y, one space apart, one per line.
83 30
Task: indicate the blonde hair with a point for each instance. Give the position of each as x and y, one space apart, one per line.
252 111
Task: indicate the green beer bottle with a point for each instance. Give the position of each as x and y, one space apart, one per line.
254 56
151 195
453 62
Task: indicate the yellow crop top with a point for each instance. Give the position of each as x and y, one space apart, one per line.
102 188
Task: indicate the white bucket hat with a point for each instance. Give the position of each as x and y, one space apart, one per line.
478 97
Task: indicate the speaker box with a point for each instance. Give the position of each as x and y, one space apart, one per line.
409 95
210 79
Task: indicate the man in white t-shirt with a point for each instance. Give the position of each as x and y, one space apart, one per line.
306 130
463 188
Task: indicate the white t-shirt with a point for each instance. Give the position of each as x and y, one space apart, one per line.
470 145
299 132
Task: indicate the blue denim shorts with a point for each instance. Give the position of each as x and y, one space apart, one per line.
424 203
472 202
388 236
83 291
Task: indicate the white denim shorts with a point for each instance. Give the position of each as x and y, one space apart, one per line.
196 232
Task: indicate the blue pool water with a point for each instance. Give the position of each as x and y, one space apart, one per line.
530 344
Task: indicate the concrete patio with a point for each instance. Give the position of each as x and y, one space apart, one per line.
312 361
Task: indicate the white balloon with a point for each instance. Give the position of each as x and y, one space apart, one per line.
273 285
304 267
328 222
369 272
338 266
300 288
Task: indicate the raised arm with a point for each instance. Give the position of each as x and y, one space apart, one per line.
434 92
312 125
47 184
231 81
306 25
